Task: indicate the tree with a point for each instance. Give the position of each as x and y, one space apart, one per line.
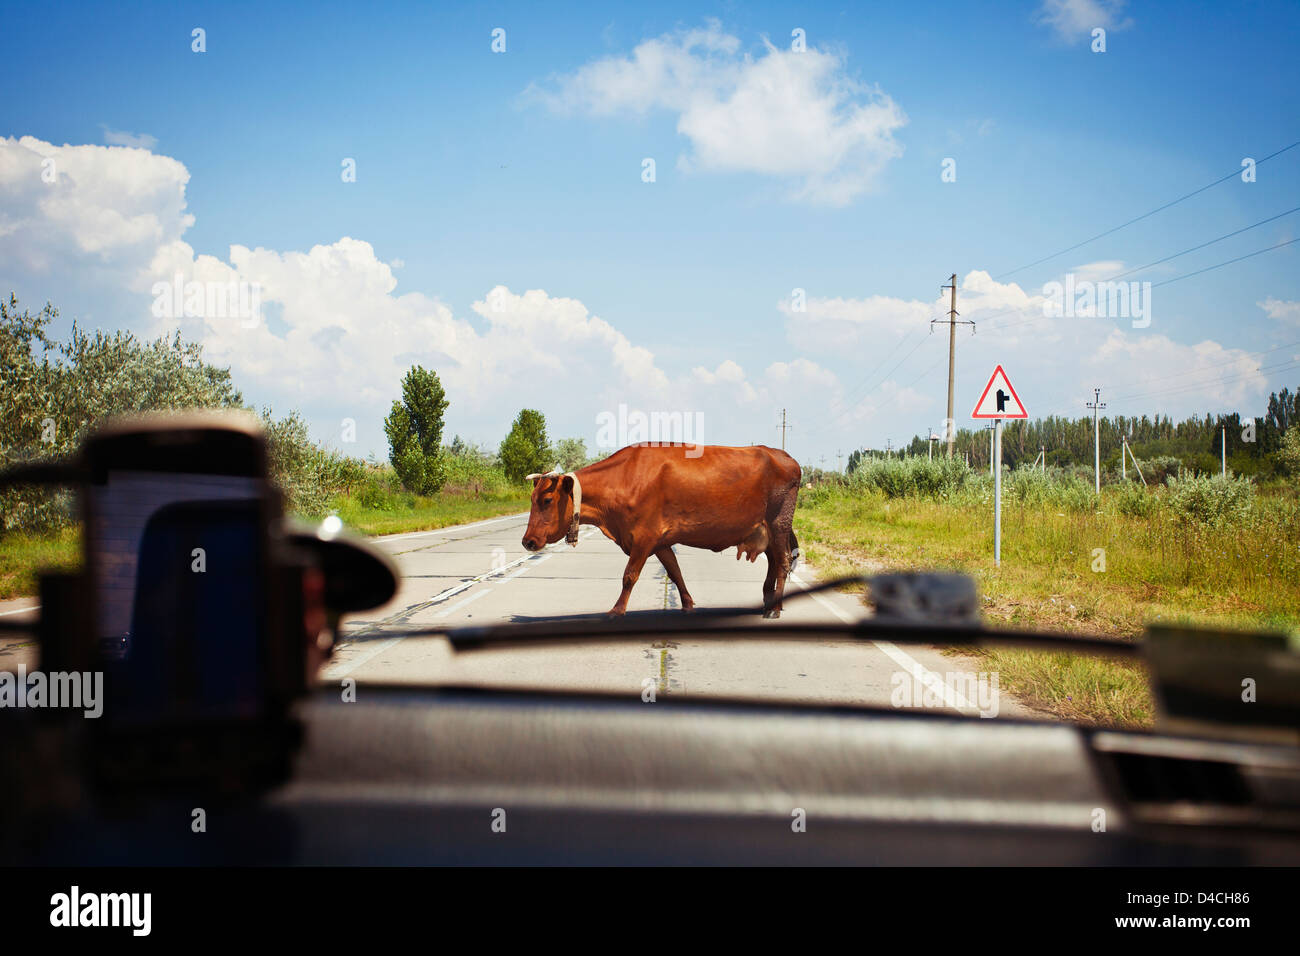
1289 453
526 449
571 452
52 392
414 429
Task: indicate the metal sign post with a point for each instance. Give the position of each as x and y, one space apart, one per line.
998 401
997 492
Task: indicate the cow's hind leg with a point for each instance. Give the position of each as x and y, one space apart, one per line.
635 562
669 561
779 553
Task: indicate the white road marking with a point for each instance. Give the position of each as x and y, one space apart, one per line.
34 607
526 567
342 669
951 696
469 600
339 671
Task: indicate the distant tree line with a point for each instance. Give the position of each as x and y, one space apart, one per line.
1254 445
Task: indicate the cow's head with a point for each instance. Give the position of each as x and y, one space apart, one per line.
557 503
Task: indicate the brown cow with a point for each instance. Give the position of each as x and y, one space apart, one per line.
647 498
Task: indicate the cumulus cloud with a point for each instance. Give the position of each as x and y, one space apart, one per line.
1051 360
120 137
74 205
1281 310
796 115
1073 20
336 332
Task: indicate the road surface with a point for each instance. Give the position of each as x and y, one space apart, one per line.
479 574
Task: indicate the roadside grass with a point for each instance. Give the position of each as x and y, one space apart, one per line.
1159 568
23 557
406 512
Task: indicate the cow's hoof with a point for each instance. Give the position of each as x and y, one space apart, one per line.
614 613
772 614
688 608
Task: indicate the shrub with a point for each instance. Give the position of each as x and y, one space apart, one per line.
1135 500
911 477
52 393
1210 500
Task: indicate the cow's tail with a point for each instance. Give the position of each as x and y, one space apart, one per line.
794 551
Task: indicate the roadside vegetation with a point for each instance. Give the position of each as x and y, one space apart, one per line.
1197 549
52 393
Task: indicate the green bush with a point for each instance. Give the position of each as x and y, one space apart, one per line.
1160 468
472 471
52 393
1134 499
1210 500
911 477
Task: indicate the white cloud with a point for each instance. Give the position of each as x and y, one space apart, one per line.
118 137
1281 310
1054 362
797 115
343 333
73 205
1076 19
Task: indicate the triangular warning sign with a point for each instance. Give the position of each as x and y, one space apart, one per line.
999 399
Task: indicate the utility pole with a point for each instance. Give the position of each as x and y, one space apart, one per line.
1096 405
1223 448
889 446
950 424
783 426
839 455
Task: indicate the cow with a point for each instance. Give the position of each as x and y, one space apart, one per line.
648 497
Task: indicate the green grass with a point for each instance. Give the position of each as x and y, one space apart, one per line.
414 513
23 557
1159 568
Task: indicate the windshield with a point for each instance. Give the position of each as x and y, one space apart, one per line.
581 317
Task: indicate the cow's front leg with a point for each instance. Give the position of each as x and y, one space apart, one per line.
769 588
669 561
635 562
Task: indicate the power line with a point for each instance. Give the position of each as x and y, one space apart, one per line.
1204 244
1205 368
1120 275
1217 265
872 374
863 398
1145 215
1229 262
1218 380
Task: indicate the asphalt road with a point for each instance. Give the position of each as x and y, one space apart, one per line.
479 574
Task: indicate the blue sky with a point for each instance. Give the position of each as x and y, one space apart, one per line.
775 170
